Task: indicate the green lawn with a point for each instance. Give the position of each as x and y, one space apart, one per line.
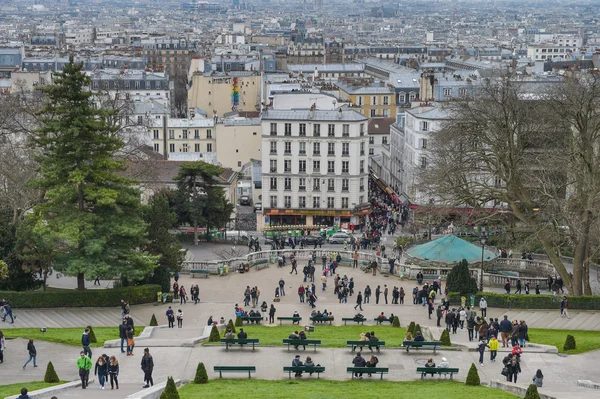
330 336
69 336
15 389
586 340
240 388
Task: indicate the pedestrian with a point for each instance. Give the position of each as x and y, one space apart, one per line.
113 372
32 354
518 290
281 287
23 394
377 293
483 306
301 293
367 294
130 341
355 260
8 312
507 286
505 329
84 365
272 311
97 280
385 293
179 318
123 334
124 308
85 343
359 301
564 307
170 317
481 349
2 346
513 370
324 281
494 346
538 378
527 287
147 367
402 294
101 370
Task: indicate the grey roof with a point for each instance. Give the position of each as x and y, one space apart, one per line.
434 111
310 68
376 89
348 115
242 122
406 80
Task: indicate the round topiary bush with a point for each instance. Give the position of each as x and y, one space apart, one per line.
92 335
214 335
445 338
201 374
230 326
532 392
238 321
570 343
153 322
396 322
51 376
473 376
411 328
170 391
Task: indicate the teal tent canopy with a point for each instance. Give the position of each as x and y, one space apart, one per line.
450 249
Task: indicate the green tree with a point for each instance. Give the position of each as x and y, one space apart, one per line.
411 328
3 270
91 214
396 322
170 391
460 280
201 374
231 326
153 322
238 321
532 392
160 218
570 343
473 376
51 376
214 334
445 338
36 251
92 335
200 200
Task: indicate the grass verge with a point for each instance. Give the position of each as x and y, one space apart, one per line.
68 336
234 388
15 389
586 340
330 336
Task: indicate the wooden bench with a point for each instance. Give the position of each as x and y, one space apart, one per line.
241 342
356 344
235 369
368 370
381 320
436 370
200 273
248 319
292 318
419 345
354 319
304 369
303 342
321 320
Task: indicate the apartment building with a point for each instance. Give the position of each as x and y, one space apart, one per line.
239 140
182 135
315 166
374 99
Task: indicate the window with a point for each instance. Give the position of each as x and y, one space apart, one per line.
302 131
273 201
386 101
371 140
95 84
316 166
345 167
208 133
302 150
423 162
412 97
373 112
360 101
273 129
330 202
137 84
345 202
331 130
302 166
185 134
362 129
301 202
462 92
345 184
273 184
330 148
288 148
362 148
447 92
185 148
345 130
362 166
148 86
273 167
196 147
424 126
317 184
156 134
371 151
287 201
156 148
362 187
196 134
302 184
317 130
374 100
126 85
316 202
140 120
316 148
384 140
287 165
287 129
330 184
361 199
171 134
273 147
424 144
171 147
345 148
331 166
209 147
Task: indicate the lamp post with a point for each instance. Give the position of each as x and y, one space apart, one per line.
483 242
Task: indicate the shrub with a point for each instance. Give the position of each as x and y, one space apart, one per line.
473 376
570 343
170 391
396 322
460 280
230 326
238 321
417 329
411 328
88 298
532 392
51 376
201 374
445 338
92 335
504 301
214 335
153 322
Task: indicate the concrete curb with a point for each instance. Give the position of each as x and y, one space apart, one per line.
153 392
515 389
588 384
147 335
42 393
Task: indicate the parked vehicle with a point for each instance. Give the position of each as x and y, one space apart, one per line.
245 200
339 238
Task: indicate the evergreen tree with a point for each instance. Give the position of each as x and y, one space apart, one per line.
90 213
532 392
231 326
460 280
396 322
214 335
92 335
238 321
570 343
153 322
201 374
445 338
417 329
170 391
473 376
411 328
51 376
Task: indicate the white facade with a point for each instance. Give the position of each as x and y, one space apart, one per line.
397 157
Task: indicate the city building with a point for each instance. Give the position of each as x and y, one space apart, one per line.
238 140
182 135
375 99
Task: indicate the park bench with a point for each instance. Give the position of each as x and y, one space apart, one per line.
303 342
380 320
355 344
354 319
248 319
419 345
436 370
260 266
200 273
304 369
235 369
315 319
241 342
368 370
292 318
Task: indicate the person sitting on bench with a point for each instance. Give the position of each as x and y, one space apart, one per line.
294 335
296 314
444 364
430 364
373 338
297 363
381 316
419 337
359 361
359 316
309 363
229 334
242 334
302 335
372 363
408 337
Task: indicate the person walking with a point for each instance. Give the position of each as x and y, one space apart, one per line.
123 334
483 306
367 294
32 354
272 311
281 287
359 301
130 341
493 345
147 367
84 365
182 295
538 378
481 349
170 317
564 307
85 343
101 370
113 372
8 312
385 293
179 318
377 293
514 368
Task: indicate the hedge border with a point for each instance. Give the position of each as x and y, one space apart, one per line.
88 298
531 301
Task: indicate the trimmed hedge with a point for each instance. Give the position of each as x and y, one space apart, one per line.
531 301
88 298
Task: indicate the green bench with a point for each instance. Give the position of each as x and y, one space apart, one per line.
248 319
436 370
304 369
241 342
292 318
303 342
419 345
368 370
321 320
380 320
200 273
354 319
235 369
356 344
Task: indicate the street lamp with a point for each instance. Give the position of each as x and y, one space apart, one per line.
483 241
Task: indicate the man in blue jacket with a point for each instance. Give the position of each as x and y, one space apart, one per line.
85 342
505 328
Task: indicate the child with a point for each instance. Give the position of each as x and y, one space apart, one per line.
481 348
494 345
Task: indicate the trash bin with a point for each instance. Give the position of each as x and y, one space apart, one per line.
158 296
164 297
221 270
472 300
226 269
463 301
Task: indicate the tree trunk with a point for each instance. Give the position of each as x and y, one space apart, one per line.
81 281
558 264
45 275
578 259
587 288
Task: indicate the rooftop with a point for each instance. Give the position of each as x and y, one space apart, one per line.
347 115
380 125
